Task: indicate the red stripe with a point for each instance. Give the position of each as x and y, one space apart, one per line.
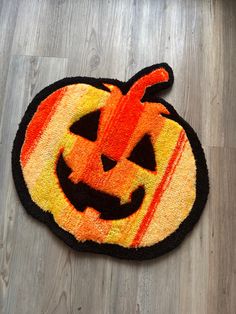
127 114
118 135
170 169
39 122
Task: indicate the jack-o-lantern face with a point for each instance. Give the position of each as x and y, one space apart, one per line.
110 167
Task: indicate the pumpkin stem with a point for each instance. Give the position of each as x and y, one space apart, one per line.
160 75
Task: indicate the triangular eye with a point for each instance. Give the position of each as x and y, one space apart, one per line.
87 126
143 154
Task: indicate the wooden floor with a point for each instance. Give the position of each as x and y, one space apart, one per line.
44 40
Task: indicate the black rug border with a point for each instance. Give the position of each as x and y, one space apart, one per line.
202 181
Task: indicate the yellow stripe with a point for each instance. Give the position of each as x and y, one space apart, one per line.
176 202
123 231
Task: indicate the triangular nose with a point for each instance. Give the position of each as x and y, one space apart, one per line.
107 163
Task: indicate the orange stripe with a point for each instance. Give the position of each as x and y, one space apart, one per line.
39 122
170 169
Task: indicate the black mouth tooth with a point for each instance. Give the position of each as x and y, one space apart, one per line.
81 207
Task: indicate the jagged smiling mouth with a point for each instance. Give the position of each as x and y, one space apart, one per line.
81 196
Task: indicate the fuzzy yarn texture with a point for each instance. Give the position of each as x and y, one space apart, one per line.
110 166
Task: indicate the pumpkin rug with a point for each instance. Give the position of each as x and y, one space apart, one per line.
110 166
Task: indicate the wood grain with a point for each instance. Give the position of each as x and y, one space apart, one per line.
42 41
